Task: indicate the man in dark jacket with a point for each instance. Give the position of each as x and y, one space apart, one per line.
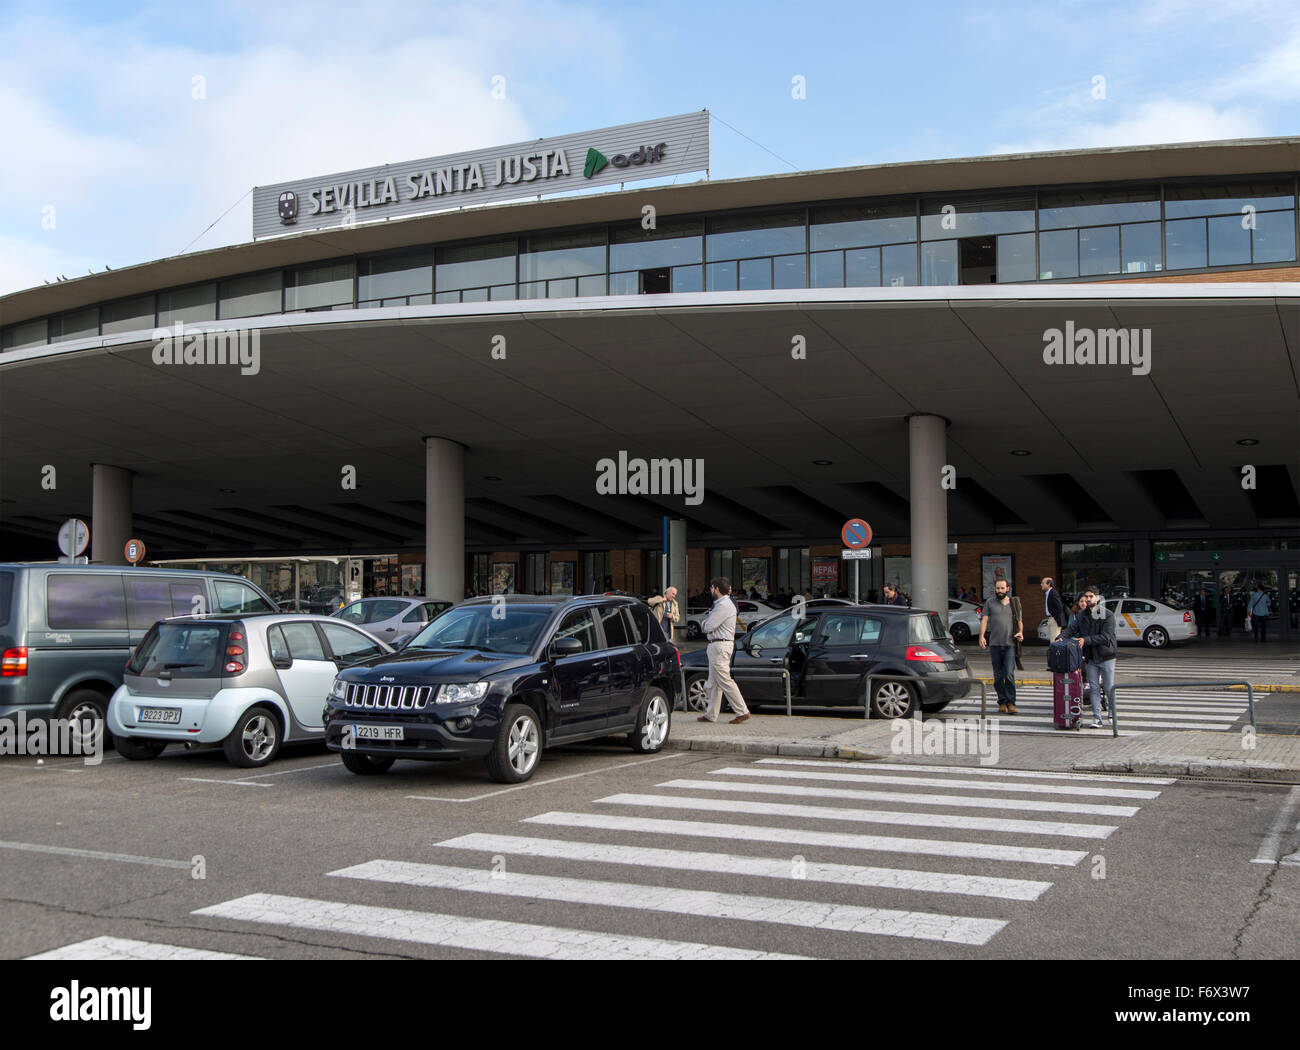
1203 610
1093 627
892 595
1054 605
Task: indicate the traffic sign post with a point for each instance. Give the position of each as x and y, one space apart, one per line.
74 538
134 551
856 535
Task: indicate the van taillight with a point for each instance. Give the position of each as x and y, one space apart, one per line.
14 663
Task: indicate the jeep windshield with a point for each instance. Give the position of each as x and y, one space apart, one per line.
496 628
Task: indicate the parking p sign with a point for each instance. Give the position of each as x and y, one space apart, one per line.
134 551
856 534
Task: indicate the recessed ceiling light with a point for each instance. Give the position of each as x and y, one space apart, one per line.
1248 441
821 462
1021 452
226 492
490 477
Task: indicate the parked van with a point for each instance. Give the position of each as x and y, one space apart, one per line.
66 630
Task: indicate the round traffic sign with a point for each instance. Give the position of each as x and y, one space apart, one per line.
134 551
74 537
856 534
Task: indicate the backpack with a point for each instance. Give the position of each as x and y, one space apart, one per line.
1064 656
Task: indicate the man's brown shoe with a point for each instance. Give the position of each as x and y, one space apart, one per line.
1002 709
738 719
1011 709
702 718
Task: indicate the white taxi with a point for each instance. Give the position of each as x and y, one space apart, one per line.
1144 621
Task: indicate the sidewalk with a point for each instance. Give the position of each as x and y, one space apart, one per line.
1170 753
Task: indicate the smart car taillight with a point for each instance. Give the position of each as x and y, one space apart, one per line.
236 657
14 663
920 652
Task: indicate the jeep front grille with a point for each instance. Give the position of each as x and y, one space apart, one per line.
389 697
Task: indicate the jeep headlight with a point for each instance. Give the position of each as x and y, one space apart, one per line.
338 690
461 692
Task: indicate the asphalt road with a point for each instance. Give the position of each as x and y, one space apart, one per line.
681 855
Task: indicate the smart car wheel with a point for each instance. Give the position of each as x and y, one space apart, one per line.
652 723
366 765
697 697
960 632
255 739
85 709
892 700
518 746
138 750
1156 638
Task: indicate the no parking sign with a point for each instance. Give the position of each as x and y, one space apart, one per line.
856 534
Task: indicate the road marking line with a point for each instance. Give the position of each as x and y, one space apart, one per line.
553 780
870 778
282 772
93 854
762 867
236 783
1271 847
961 771
451 931
962 822
840 840
1093 809
843 918
119 949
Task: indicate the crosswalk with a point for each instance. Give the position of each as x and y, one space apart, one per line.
779 858
1139 710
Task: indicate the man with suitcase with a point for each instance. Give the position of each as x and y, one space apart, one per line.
1093 630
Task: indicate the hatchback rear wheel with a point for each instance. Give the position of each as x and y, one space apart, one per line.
255 740
893 700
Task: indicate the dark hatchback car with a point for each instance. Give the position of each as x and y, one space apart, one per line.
831 651
503 678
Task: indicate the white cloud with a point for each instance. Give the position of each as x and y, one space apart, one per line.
1146 123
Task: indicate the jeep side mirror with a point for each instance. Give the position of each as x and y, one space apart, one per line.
565 647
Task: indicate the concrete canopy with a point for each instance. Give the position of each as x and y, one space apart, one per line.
232 464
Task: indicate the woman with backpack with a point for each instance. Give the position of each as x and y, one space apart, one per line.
1093 627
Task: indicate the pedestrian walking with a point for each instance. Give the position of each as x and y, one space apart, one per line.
1054 606
1093 627
1203 610
720 628
892 595
999 632
1258 610
1225 613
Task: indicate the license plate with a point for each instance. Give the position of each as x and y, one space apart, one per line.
171 715
378 733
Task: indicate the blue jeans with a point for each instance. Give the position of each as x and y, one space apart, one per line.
1004 672
1102 673
1259 627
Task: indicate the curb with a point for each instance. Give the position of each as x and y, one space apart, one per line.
788 748
1235 769
1261 688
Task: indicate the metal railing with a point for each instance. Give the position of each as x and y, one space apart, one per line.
1114 718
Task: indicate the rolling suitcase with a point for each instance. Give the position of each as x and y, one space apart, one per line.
1067 699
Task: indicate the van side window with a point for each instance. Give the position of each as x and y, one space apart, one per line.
89 602
148 600
235 597
183 594
6 596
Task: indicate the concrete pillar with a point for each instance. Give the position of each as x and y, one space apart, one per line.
444 519
1143 579
110 514
677 559
927 453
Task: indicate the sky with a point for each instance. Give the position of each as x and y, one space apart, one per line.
135 132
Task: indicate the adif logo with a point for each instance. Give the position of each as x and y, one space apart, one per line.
655 477
596 161
102 1004
238 346
1098 346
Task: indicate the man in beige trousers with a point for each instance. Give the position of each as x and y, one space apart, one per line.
719 626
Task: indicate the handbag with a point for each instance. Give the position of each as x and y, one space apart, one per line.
1020 619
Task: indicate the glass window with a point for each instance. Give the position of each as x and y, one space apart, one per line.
1274 236
1058 255
390 276
616 632
1183 202
1097 207
148 600
839 629
562 255
498 292
593 285
688 278
1015 258
75 325
898 265
722 277
973 217
189 597
186 650
755 274
926 628
563 288
235 597
6 596
775 634
1131 605
863 225
581 625
474 295
347 645
262 293
828 269
1185 244
1139 246
418 614
476 265
749 236
939 263
862 268
129 315
304 642
641 631
671 244
804 632
86 602
1096 552
278 647
789 271
1099 250
317 287
187 305
628 283
31 333
1229 240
